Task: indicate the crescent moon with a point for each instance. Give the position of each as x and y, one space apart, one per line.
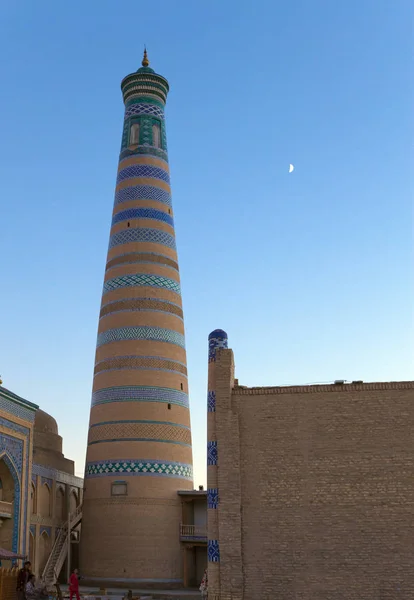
291 167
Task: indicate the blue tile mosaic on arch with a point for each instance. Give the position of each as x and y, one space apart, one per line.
11 451
211 401
139 467
211 453
153 334
142 234
47 481
142 280
213 551
140 393
142 213
133 171
142 192
46 529
212 498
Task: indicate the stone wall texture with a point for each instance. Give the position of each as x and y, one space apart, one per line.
316 490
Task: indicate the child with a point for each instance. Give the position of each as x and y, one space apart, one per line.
74 585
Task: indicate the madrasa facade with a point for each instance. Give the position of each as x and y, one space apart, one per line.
38 488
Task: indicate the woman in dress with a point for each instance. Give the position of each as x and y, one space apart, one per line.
204 585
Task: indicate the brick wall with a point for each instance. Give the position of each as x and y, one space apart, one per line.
316 488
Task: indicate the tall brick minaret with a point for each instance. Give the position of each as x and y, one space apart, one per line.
139 445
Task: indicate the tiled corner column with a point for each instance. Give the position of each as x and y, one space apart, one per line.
216 339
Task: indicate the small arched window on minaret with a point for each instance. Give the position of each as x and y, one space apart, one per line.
134 134
156 134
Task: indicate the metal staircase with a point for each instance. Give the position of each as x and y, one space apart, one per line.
59 552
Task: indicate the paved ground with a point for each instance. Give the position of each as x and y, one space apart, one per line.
118 593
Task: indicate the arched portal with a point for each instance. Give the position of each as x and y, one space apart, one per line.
60 504
7 503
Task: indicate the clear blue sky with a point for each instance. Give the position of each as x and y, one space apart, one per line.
309 273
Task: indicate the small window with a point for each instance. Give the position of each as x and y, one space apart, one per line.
128 224
119 488
156 135
182 387
134 134
169 406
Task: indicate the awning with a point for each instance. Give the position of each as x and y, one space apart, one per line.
7 555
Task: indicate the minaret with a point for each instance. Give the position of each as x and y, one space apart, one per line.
139 444
217 339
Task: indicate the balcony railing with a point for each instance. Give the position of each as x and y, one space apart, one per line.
193 533
6 509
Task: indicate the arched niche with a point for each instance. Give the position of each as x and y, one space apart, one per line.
60 504
45 500
32 549
33 498
73 502
44 550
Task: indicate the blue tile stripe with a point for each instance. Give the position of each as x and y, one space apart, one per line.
211 401
143 213
142 280
150 334
139 421
142 192
133 171
139 393
142 234
213 551
212 498
211 453
145 467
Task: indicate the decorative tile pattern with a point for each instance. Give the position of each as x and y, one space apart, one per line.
211 401
141 280
120 363
143 213
142 234
142 257
142 192
140 431
150 334
145 150
216 339
211 453
143 171
14 426
13 404
212 498
57 475
47 530
213 551
133 304
139 467
139 393
144 109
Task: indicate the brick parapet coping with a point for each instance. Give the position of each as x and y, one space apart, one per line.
333 387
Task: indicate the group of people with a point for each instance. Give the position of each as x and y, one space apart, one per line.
29 589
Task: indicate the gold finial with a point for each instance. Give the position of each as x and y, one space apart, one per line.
145 61
1 381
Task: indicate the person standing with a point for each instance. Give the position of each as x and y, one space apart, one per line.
22 579
204 585
74 585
